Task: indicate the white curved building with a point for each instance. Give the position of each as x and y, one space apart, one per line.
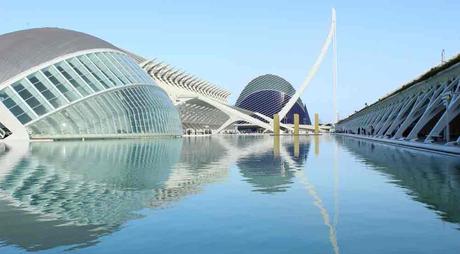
203 107
63 84
180 84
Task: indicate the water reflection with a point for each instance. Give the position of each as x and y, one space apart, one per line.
316 140
70 194
430 178
86 188
296 146
79 191
271 172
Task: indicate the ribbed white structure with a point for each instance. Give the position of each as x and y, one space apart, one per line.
179 84
60 84
426 111
203 107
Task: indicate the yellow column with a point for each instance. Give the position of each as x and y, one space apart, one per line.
296 124
296 146
276 125
276 146
316 140
316 124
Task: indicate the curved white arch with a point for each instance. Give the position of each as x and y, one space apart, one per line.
52 62
330 38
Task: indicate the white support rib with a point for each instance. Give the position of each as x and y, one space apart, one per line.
453 110
335 71
230 121
434 107
413 114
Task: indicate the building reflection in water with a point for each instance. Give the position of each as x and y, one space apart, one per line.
296 146
273 170
316 139
268 169
276 145
77 192
430 178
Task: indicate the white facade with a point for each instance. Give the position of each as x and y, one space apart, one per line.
87 90
203 107
425 111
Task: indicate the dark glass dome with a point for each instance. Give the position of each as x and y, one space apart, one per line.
267 94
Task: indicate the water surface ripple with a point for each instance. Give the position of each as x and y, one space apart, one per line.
229 194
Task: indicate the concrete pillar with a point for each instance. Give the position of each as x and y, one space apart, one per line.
276 125
296 124
316 123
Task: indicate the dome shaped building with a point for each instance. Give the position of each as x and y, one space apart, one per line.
267 94
62 84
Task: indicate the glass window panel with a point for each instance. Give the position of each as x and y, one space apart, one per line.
113 65
31 99
47 89
126 68
84 74
52 75
40 110
79 119
133 69
33 102
53 125
64 70
123 69
22 91
104 69
140 72
24 118
139 109
95 71
17 101
40 87
7 101
16 110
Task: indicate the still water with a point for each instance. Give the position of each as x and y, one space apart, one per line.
227 195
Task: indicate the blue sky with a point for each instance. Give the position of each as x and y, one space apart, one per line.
381 44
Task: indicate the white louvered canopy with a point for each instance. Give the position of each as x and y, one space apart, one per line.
22 50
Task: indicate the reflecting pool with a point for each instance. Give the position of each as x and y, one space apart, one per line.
229 194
